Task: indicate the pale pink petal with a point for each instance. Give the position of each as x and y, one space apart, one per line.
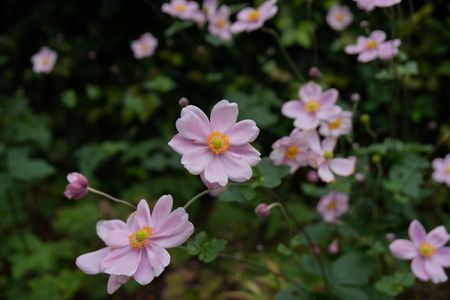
438 237
115 282
89 263
418 268
325 173
292 109
435 271
236 168
176 222
246 152
223 116
193 124
306 121
197 160
177 239
329 97
122 261
403 249
367 56
117 238
144 273
215 172
314 141
243 132
238 26
438 163
161 210
158 257
141 217
182 145
310 91
329 144
104 227
342 166
378 35
417 233
442 257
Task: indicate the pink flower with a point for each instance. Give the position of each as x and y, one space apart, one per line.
333 248
184 10
262 210
250 19
369 5
144 46
217 149
427 251
312 176
386 3
441 171
314 106
44 60
137 248
332 206
338 125
209 7
292 151
322 158
339 17
374 46
219 23
77 187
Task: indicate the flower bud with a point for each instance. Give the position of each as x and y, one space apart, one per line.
376 158
364 24
262 210
312 176
365 118
314 72
77 187
333 248
355 97
390 236
183 102
359 177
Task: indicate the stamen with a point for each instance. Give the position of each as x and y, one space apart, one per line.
312 106
328 155
447 170
220 23
331 205
139 239
253 16
291 152
180 8
340 17
371 45
335 124
426 249
218 142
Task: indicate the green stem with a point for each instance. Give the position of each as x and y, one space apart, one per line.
100 193
196 197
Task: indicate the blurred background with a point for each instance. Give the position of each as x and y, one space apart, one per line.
109 116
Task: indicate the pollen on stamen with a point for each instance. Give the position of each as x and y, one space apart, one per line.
218 142
139 239
254 15
312 106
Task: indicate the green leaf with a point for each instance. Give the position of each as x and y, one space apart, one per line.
271 175
352 269
393 285
207 249
283 249
22 167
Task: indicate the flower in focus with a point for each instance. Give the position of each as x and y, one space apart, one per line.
333 248
218 149
144 46
314 106
441 171
44 60
332 206
184 10
322 158
374 46
339 17
427 251
292 151
219 23
262 210
77 187
338 125
137 248
250 19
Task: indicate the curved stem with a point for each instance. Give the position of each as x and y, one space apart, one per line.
196 197
100 193
285 215
286 55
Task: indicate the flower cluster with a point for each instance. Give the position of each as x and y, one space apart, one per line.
315 108
218 18
374 46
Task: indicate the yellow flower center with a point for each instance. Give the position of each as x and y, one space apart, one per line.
253 16
312 106
340 17
144 46
426 249
331 205
328 155
335 124
45 61
371 45
220 23
218 142
291 152
447 170
180 8
140 238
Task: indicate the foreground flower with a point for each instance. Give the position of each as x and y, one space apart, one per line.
338 125
322 158
217 149
314 106
427 251
137 248
374 46
339 17
44 60
441 171
292 151
250 19
332 206
77 187
184 10
219 23
144 46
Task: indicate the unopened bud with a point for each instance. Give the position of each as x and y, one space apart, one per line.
355 97
183 102
314 72
365 118
262 210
